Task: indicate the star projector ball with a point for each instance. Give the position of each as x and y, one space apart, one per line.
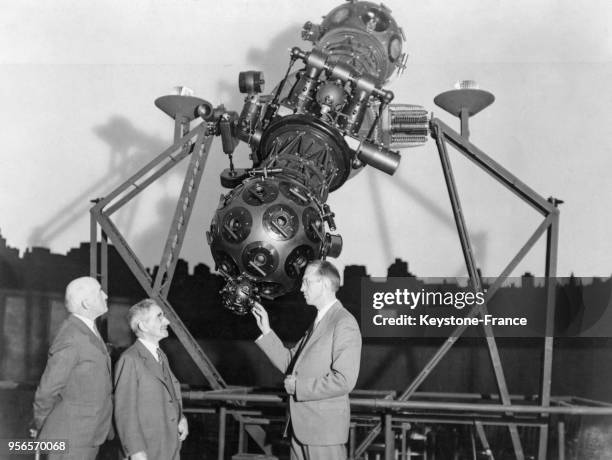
264 233
239 294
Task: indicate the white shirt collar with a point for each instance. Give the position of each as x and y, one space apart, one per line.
89 323
322 311
152 347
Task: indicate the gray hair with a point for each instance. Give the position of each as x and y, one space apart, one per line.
137 312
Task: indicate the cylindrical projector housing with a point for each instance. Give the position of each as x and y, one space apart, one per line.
251 81
333 245
404 125
378 157
362 34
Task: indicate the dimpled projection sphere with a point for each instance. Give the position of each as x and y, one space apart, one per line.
269 229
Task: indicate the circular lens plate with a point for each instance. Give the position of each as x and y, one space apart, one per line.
237 225
260 259
281 222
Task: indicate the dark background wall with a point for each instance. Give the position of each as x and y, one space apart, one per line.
31 310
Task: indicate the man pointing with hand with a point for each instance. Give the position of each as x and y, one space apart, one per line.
321 369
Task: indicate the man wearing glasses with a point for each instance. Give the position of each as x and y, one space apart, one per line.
321 369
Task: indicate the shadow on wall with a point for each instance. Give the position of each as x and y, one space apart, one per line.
443 214
129 149
150 242
271 60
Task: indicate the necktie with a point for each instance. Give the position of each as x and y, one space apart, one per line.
302 345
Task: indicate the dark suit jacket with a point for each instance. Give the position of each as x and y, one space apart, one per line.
326 370
74 397
146 415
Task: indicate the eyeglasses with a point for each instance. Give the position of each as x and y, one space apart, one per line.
308 282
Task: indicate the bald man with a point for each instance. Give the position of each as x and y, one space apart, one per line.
73 400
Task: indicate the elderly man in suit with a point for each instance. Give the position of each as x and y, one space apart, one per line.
321 369
148 406
73 400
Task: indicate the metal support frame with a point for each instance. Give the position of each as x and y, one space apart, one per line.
197 143
443 134
432 408
405 449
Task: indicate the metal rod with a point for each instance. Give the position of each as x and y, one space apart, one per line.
383 404
222 426
241 437
405 428
473 443
93 247
447 395
352 440
466 246
552 243
470 419
589 401
483 439
464 116
561 437
389 438
103 320
104 261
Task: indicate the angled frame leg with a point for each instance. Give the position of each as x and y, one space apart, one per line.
552 243
442 134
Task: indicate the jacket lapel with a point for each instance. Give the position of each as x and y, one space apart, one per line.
319 331
93 338
300 348
151 364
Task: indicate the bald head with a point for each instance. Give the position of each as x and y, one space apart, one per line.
84 296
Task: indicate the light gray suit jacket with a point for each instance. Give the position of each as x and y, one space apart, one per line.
326 367
146 415
74 398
